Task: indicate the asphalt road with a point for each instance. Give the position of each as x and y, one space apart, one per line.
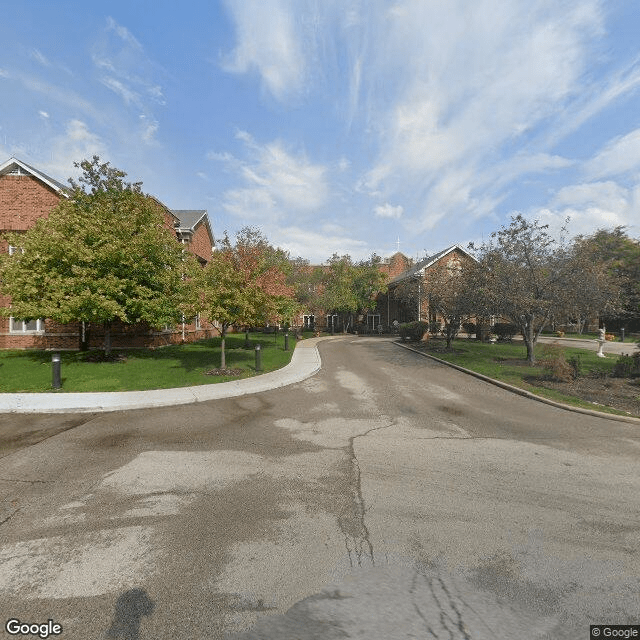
386 497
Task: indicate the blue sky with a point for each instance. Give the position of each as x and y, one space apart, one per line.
339 125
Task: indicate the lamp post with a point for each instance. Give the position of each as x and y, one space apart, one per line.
55 367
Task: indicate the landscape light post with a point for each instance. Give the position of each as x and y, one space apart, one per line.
55 368
286 341
258 358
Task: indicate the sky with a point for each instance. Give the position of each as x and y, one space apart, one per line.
339 126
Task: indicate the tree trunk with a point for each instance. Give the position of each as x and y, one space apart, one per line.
83 341
223 359
107 338
530 342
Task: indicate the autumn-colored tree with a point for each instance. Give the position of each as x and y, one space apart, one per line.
245 284
103 254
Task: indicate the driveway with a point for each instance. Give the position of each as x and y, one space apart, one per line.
388 496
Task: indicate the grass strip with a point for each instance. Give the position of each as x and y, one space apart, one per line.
143 369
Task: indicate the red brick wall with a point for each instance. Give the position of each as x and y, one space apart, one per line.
201 243
23 200
398 263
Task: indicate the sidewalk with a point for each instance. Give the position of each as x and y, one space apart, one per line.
305 362
610 348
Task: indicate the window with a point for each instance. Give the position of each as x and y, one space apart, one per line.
373 321
332 321
197 321
309 322
23 326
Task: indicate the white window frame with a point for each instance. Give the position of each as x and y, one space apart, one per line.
332 320
197 322
375 321
19 327
306 324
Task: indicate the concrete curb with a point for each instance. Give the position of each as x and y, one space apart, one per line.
523 392
305 362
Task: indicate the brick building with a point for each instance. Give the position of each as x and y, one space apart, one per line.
393 306
27 194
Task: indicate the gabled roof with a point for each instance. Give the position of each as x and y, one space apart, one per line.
13 164
189 219
425 263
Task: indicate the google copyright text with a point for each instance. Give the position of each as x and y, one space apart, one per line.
598 631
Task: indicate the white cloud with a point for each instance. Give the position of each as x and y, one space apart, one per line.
591 206
275 182
127 71
125 93
40 58
269 40
43 114
77 143
387 210
318 247
620 156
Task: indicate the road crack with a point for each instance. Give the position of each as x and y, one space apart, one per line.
352 524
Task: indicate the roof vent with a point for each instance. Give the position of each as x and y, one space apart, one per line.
16 170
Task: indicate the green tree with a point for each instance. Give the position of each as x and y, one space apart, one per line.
349 287
245 284
619 254
521 277
447 286
528 277
104 254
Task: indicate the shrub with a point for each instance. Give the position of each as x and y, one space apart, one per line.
555 363
610 337
469 327
434 327
576 365
505 331
413 331
560 334
627 366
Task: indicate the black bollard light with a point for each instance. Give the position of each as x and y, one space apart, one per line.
258 357
275 334
622 334
286 341
55 367
246 340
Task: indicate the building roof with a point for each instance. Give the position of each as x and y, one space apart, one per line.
189 218
425 263
14 165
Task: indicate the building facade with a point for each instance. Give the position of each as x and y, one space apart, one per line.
27 194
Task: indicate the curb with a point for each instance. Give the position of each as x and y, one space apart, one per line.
523 392
305 362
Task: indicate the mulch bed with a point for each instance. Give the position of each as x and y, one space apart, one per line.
224 372
620 393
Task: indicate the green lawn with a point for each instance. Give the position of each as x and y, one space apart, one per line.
174 366
507 362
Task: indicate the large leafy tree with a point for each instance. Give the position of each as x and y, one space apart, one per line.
104 254
349 287
448 286
619 254
245 284
528 277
